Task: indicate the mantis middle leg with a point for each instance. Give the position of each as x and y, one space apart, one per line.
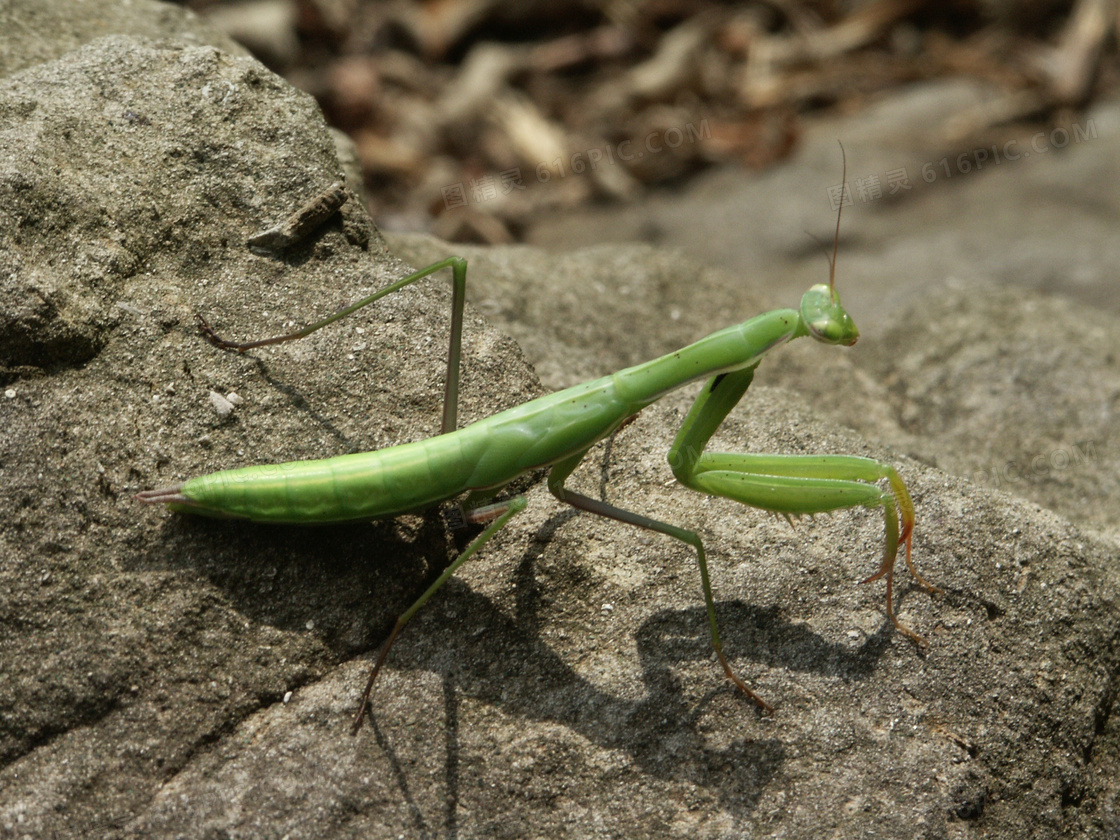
560 473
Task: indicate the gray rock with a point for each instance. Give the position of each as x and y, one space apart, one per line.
37 31
169 677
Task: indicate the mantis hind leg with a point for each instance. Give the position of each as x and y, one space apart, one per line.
560 473
498 515
458 268
793 484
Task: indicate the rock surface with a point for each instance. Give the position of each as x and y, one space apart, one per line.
36 31
169 677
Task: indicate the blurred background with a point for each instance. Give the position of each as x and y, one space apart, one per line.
477 120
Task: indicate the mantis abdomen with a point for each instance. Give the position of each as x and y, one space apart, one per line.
416 475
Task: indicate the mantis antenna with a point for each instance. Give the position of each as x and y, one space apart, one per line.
836 238
839 211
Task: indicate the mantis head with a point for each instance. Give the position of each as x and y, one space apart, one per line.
824 317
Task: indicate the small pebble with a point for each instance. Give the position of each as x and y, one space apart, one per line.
221 405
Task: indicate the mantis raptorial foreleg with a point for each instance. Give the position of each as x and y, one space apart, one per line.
791 484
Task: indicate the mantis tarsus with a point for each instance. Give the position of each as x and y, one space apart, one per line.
557 431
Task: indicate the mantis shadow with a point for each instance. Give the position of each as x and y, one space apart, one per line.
503 660
348 583
491 657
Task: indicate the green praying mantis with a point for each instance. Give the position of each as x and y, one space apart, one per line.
557 431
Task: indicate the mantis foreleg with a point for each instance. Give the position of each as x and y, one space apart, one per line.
792 484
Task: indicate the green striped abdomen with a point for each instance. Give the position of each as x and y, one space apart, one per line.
348 487
416 475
